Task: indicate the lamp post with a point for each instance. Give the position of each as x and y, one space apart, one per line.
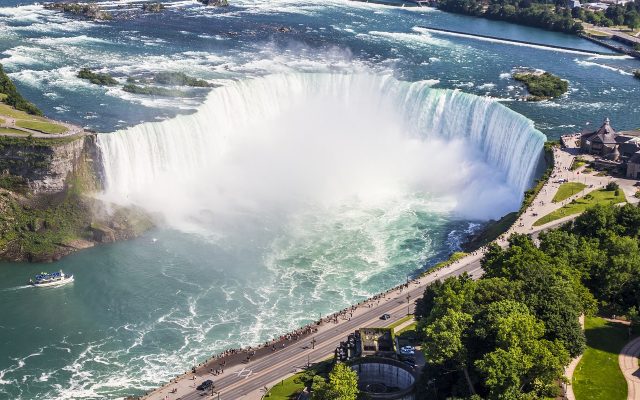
313 343
408 304
212 392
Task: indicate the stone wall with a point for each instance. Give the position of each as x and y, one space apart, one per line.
390 373
633 170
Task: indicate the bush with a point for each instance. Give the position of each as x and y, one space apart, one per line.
611 186
97 78
179 78
153 91
543 85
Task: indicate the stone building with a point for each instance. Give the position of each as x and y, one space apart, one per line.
618 149
377 341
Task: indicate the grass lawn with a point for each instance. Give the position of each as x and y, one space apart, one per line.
577 163
598 376
601 196
407 328
400 321
13 113
289 388
42 126
285 390
567 190
15 131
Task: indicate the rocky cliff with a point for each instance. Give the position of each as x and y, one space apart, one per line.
48 207
43 165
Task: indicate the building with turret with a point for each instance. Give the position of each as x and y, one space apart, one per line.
614 149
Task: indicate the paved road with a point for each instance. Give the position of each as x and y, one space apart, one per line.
628 361
246 380
243 380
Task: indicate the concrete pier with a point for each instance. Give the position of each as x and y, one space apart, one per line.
515 41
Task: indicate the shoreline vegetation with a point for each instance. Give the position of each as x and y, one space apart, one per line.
527 12
539 14
493 229
541 85
10 96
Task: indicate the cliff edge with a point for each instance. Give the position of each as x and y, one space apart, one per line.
48 203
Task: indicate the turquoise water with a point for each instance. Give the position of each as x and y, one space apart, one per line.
276 216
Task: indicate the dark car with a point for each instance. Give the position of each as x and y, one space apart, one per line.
205 385
385 316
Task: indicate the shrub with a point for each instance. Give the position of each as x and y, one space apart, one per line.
543 85
97 78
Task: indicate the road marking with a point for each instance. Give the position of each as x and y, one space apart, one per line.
244 373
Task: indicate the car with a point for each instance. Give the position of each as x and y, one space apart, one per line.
385 317
205 385
407 351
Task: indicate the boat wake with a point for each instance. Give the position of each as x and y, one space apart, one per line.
16 288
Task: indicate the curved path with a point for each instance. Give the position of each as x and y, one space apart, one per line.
10 123
628 361
248 380
568 372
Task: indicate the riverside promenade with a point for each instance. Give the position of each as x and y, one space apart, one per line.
248 376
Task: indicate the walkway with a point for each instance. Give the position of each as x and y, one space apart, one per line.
249 379
568 372
628 361
10 123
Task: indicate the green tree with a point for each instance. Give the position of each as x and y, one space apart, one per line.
523 362
445 342
342 385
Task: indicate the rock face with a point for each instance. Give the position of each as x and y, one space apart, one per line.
216 3
47 204
153 7
45 168
91 11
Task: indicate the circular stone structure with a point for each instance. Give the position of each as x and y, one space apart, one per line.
385 378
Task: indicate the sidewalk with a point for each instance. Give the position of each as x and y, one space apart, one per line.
628 361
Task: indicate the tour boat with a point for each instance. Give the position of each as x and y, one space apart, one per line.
51 279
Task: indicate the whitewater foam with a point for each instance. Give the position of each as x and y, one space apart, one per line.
235 155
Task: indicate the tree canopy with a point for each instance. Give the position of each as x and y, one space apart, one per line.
341 385
510 334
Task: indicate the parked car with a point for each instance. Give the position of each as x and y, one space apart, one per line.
385 316
205 385
408 350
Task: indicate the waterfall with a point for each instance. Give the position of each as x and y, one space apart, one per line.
189 148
